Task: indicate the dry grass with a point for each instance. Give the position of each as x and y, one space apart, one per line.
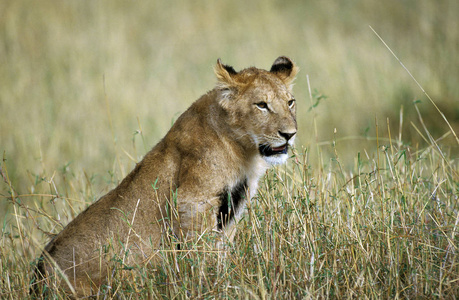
386 229
360 211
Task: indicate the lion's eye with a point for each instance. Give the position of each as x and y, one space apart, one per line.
291 103
262 105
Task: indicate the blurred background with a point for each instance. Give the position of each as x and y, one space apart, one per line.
88 87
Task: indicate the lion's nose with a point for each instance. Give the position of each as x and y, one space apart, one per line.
287 135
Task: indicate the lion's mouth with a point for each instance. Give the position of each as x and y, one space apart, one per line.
266 150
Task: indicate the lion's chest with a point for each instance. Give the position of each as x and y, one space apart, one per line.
231 202
232 198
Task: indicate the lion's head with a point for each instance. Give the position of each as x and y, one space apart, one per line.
260 106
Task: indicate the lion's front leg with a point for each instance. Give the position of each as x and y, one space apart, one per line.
205 217
197 217
189 214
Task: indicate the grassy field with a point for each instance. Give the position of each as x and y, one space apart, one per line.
366 208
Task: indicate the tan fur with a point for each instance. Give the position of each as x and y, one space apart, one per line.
210 151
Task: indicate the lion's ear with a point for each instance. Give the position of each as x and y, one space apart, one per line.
224 73
285 69
227 84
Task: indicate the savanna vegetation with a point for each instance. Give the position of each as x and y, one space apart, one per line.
367 206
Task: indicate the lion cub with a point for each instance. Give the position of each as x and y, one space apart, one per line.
206 166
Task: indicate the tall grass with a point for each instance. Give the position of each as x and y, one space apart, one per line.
385 229
367 206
